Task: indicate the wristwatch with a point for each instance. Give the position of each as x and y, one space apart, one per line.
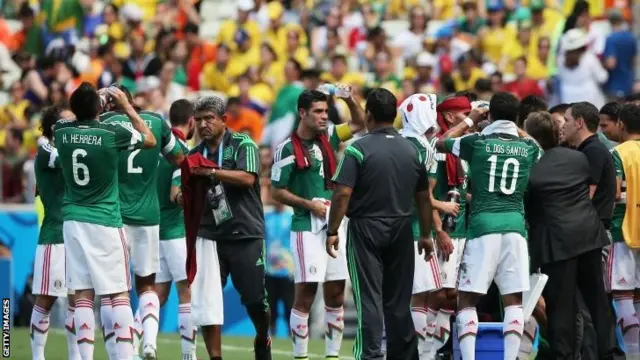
329 233
213 172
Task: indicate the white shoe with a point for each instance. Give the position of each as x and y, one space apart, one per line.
149 352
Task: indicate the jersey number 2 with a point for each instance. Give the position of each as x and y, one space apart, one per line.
493 159
130 168
80 170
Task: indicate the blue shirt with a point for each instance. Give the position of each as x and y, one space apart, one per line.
623 47
278 232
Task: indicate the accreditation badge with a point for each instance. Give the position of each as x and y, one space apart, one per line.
219 205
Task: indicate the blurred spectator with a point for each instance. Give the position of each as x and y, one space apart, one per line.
467 74
517 47
284 110
409 42
619 54
580 72
241 119
216 75
425 82
12 160
14 112
139 63
523 85
331 33
537 64
495 34
471 22
384 75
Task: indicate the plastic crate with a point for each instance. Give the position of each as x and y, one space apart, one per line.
489 343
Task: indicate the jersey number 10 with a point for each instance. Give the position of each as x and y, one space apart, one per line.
493 159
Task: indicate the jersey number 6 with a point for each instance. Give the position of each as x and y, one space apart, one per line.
80 170
493 159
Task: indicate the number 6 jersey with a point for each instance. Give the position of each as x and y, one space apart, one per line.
138 170
499 168
88 155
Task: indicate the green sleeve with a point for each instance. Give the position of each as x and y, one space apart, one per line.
462 146
617 163
247 157
433 170
169 143
347 172
176 177
283 165
126 137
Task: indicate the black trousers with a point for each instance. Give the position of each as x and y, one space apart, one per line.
380 254
583 273
279 289
244 261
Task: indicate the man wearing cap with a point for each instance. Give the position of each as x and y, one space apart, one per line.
229 27
620 51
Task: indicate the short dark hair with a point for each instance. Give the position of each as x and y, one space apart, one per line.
85 102
504 106
630 116
468 94
482 85
632 97
180 112
529 104
339 57
559 109
308 97
234 100
25 10
543 129
588 112
50 115
17 134
611 109
382 105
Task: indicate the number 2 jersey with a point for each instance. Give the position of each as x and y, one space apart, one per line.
499 168
138 169
88 153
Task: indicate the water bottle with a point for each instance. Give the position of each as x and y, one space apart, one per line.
449 221
339 90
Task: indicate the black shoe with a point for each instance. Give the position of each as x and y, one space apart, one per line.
262 351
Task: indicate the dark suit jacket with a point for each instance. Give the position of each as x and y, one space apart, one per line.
562 220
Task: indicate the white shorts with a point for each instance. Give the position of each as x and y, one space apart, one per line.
312 263
426 275
144 247
503 258
49 271
622 270
206 290
449 269
173 261
97 258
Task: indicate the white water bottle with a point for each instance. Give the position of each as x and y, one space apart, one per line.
339 90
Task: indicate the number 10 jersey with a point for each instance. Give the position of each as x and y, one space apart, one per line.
88 152
499 169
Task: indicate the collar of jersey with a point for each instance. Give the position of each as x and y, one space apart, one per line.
501 127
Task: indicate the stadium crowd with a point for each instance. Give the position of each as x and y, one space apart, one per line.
258 70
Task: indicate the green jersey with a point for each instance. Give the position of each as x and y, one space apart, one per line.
426 151
88 152
438 171
308 183
50 184
499 165
138 169
621 205
171 215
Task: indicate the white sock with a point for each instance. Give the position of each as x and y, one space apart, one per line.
333 327
636 306
85 328
512 331
188 331
467 326
70 327
137 332
383 343
419 316
39 331
528 337
430 345
106 319
443 328
150 313
299 323
123 326
628 323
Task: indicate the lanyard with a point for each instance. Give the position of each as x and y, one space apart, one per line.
205 152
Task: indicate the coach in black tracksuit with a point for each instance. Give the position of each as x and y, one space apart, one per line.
378 181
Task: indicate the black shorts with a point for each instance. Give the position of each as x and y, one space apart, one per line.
244 260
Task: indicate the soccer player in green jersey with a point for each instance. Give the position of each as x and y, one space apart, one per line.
496 250
97 259
49 264
301 178
173 245
140 210
623 264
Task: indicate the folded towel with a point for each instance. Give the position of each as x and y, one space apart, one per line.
317 223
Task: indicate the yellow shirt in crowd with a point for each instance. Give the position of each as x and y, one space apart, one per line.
461 85
229 28
493 41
